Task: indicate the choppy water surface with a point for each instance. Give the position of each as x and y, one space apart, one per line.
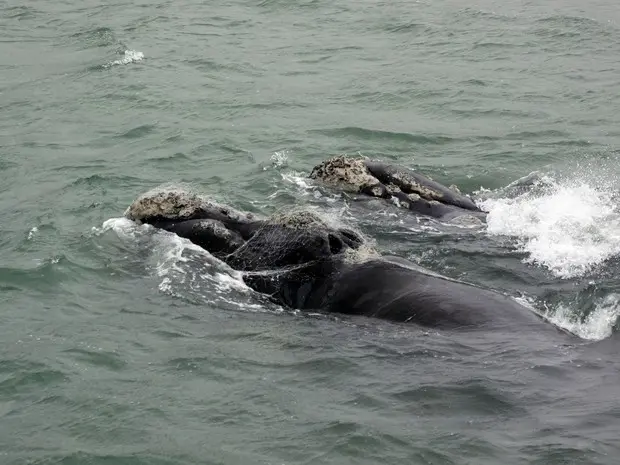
125 346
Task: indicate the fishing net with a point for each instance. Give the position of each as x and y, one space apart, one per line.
289 239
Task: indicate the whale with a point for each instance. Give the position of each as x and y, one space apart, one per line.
401 185
302 261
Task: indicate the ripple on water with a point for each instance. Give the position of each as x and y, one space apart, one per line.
97 358
373 134
93 38
19 378
136 456
20 12
139 131
42 276
102 182
474 397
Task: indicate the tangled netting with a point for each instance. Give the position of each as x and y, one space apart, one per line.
287 240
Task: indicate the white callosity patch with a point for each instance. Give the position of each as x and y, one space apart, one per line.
347 173
568 227
175 203
298 219
169 203
333 220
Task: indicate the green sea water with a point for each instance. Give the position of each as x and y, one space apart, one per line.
124 347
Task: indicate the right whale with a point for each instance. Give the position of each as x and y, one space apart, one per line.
412 190
302 262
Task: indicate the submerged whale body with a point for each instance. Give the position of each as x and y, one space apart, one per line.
303 262
410 189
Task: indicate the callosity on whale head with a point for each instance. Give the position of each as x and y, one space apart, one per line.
406 187
177 204
243 241
346 173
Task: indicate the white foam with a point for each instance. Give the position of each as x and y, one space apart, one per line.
171 250
121 226
280 158
569 227
129 56
300 180
305 187
32 232
597 325
182 265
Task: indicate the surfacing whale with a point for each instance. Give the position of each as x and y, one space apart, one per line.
410 189
303 262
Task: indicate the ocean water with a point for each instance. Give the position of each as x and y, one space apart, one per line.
125 346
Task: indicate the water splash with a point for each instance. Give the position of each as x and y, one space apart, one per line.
301 181
280 159
183 267
567 226
597 325
129 56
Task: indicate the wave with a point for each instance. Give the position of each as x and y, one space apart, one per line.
598 325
